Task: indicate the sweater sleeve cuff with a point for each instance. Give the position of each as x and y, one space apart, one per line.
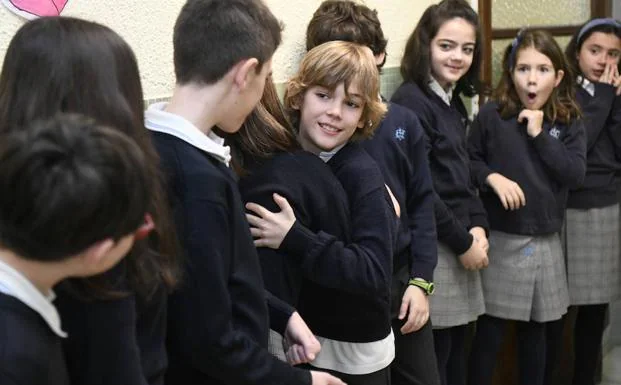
460 242
479 220
422 269
297 242
279 312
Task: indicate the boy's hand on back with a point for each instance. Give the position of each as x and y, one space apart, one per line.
299 342
269 229
321 378
415 304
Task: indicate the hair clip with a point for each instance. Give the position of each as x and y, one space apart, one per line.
514 46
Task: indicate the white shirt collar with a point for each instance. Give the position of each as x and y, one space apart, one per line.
13 283
587 85
438 90
156 119
327 155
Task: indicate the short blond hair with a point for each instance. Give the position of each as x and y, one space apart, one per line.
330 64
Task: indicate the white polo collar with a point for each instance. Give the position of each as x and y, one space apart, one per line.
156 119
438 90
15 284
588 86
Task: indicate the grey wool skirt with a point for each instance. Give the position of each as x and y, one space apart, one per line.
525 279
458 298
592 250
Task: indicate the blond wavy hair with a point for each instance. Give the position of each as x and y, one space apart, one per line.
331 64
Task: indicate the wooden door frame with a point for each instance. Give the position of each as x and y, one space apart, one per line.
599 8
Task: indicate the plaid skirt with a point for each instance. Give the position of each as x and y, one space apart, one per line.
525 279
458 298
592 250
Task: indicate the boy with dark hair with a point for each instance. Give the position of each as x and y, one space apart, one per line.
218 318
399 148
74 199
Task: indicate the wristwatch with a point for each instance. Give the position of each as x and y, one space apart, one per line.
428 287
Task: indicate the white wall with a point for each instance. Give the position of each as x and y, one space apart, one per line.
147 26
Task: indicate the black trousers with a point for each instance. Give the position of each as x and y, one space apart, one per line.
415 359
450 345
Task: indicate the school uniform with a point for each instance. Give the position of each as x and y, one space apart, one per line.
458 298
218 319
30 333
398 146
591 238
525 278
353 326
114 341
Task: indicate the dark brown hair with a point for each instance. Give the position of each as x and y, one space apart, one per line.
582 34
211 36
348 21
68 183
416 61
62 64
562 104
265 132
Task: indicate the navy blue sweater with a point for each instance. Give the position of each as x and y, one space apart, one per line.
602 122
544 167
218 320
114 341
399 149
457 207
30 352
320 207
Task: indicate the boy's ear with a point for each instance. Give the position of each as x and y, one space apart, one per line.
245 71
559 76
95 253
296 102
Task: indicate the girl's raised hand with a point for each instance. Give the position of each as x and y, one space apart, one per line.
608 76
617 80
534 120
269 229
510 193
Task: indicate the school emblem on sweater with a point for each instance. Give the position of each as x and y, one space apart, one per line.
555 132
400 134
31 9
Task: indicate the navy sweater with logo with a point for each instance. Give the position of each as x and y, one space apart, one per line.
545 167
602 123
457 207
218 321
398 146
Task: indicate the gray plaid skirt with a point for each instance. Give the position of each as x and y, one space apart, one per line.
525 279
592 250
458 298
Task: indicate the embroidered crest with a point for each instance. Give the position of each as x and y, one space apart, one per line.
400 134
555 132
528 251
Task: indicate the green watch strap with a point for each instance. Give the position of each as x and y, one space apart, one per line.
428 287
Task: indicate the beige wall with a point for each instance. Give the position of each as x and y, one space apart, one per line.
147 26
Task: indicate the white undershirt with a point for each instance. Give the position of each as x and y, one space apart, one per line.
437 89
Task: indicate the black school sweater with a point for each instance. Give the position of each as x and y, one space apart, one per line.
398 146
544 167
602 122
355 315
218 319
457 207
30 352
116 341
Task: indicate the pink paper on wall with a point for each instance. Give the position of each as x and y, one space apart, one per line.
31 9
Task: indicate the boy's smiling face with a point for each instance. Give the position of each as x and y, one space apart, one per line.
329 118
